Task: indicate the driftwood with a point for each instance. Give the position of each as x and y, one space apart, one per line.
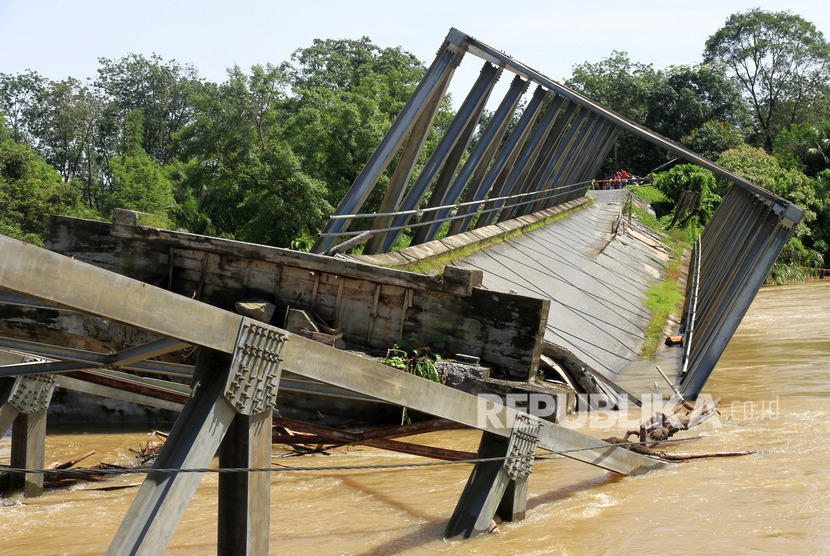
151 448
684 457
660 427
70 463
67 475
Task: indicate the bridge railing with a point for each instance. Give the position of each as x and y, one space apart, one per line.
729 264
461 211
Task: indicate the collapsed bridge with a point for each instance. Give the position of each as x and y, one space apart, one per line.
544 163
547 159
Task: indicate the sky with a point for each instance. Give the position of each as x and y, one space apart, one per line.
62 38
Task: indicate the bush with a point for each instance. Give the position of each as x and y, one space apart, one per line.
691 178
31 190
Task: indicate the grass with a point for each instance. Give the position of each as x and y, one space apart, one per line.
435 264
648 193
665 298
786 274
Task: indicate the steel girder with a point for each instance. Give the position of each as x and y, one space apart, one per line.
554 150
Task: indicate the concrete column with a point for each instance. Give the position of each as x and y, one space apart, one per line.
29 451
483 491
245 498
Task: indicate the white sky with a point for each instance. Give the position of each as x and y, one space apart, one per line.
61 38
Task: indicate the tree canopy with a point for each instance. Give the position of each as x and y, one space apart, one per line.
30 190
673 102
781 63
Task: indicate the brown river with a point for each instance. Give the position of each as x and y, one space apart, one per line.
775 386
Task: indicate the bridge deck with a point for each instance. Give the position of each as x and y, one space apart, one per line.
596 281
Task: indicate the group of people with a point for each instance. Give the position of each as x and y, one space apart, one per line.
618 181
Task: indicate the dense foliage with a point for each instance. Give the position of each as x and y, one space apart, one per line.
265 155
30 190
780 61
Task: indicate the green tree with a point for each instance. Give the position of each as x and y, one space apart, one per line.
138 182
30 190
618 83
346 65
692 96
345 95
692 178
21 98
779 60
66 132
763 169
672 102
247 183
805 146
713 138
163 91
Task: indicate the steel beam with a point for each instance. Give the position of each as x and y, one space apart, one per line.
92 359
40 367
111 392
7 416
497 173
545 160
485 52
557 160
127 357
29 451
245 501
193 441
481 156
526 161
483 492
446 62
406 164
447 154
66 282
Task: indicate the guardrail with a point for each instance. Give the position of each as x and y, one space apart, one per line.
731 260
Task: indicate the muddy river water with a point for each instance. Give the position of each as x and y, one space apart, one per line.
775 383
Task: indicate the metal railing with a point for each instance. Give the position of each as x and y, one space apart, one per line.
570 191
731 260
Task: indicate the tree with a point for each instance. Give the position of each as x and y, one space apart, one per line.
695 95
246 179
30 190
713 138
138 182
692 178
763 169
346 65
781 63
66 130
672 102
163 91
346 94
618 83
805 146
20 102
